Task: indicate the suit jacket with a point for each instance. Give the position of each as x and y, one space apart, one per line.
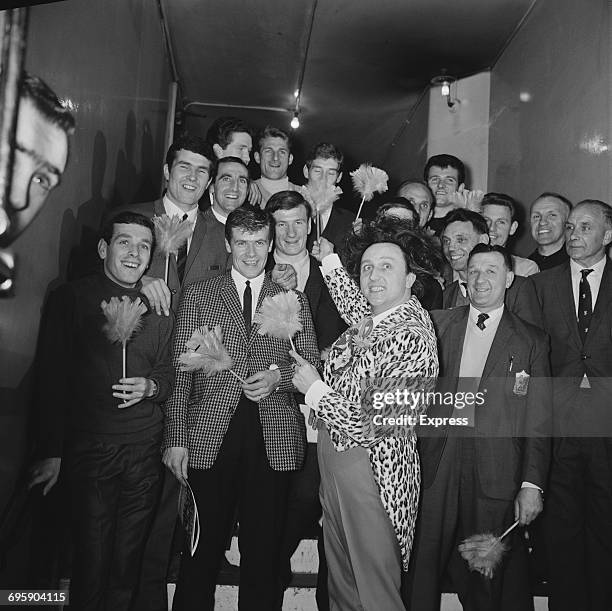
327 321
206 257
571 359
339 225
199 409
520 299
512 432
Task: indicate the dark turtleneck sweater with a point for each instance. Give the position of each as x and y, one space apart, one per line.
77 366
547 261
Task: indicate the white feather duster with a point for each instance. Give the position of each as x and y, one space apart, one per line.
123 319
171 232
368 180
279 316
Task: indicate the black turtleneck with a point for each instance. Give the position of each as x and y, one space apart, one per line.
77 366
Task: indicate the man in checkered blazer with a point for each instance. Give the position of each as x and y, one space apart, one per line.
237 442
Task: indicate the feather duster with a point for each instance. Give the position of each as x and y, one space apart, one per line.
279 316
368 180
320 198
206 352
171 232
484 552
123 319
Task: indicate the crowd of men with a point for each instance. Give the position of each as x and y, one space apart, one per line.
535 334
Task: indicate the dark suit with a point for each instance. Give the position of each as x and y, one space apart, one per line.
206 258
579 504
339 225
240 453
520 299
471 477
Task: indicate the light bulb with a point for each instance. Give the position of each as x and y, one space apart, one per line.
445 89
296 93
295 122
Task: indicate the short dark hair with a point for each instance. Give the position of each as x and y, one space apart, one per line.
604 208
501 199
287 200
446 161
397 202
127 217
422 256
46 102
221 130
558 196
462 215
325 150
195 144
248 218
269 131
229 159
485 248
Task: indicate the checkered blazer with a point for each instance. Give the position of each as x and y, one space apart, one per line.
199 410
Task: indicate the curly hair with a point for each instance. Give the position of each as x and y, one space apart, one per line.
421 254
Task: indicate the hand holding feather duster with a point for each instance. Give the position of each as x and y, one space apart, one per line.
320 197
368 180
279 316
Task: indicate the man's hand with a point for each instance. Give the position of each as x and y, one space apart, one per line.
321 248
158 294
261 384
464 198
132 390
285 275
305 375
256 196
45 471
528 505
176 459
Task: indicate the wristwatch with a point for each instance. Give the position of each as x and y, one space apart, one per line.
154 389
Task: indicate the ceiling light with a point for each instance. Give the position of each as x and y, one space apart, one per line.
444 81
295 122
296 93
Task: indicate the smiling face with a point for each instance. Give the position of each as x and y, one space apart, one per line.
548 216
500 223
127 255
230 188
291 229
586 235
487 280
420 198
323 172
240 146
384 279
187 179
443 182
274 158
458 240
249 251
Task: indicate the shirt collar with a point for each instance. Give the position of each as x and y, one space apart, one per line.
376 320
275 186
218 216
494 315
597 268
240 281
299 259
173 210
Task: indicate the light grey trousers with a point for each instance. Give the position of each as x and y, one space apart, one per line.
363 555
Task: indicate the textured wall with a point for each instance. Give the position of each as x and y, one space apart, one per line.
550 106
107 57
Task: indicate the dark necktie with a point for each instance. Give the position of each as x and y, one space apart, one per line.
585 304
480 323
246 306
181 256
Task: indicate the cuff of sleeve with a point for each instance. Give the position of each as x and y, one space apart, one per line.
530 485
330 263
315 392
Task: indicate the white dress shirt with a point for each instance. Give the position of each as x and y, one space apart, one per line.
256 284
594 280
